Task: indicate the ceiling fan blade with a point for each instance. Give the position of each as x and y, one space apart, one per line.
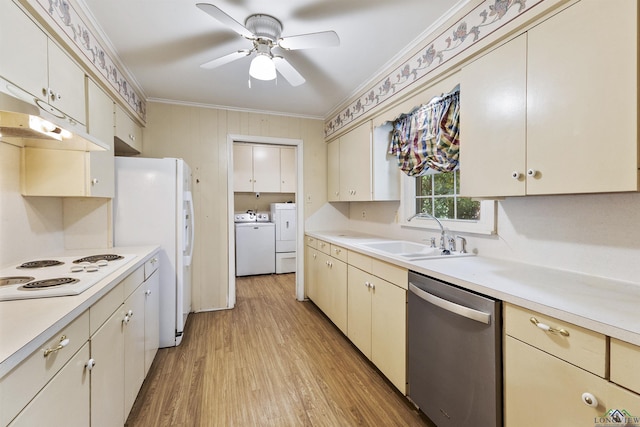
225 59
311 40
221 16
288 72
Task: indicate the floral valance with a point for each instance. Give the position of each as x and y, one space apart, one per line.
426 140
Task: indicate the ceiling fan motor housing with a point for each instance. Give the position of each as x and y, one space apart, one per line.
264 27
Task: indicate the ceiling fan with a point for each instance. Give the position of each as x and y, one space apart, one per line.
265 31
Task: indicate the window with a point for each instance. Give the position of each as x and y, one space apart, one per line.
437 194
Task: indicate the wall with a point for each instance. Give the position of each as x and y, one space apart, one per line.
30 227
199 135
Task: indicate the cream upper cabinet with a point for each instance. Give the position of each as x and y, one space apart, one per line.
100 176
355 164
38 65
333 171
128 134
573 110
264 168
359 168
493 130
288 170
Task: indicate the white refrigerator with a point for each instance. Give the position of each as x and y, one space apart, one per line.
153 205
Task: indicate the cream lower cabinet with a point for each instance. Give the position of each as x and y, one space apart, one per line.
376 323
558 376
326 279
64 401
545 125
134 367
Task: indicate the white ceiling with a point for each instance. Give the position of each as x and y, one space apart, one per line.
163 42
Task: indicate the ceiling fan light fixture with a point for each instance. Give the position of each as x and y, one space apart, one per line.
262 68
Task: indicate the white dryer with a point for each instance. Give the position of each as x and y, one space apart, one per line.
284 217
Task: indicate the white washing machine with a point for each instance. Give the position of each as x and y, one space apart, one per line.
255 244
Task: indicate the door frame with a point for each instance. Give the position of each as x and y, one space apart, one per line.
250 139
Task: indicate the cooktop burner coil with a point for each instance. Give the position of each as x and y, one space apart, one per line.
48 283
95 258
41 263
15 280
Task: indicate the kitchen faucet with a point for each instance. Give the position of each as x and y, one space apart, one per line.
444 250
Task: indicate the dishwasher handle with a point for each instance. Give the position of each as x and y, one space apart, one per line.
461 310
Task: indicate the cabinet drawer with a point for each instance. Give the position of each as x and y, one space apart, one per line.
36 370
104 308
132 281
339 252
324 247
624 360
391 273
311 242
358 260
151 265
581 347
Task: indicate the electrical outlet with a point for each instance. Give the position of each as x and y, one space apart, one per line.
364 214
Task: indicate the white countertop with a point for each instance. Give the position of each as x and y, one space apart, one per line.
603 305
27 324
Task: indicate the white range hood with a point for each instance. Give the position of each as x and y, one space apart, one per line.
26 121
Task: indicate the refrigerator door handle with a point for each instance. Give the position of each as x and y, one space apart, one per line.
189 234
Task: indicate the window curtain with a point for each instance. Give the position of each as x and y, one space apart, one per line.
426 140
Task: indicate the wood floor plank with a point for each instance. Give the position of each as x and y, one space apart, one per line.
271 361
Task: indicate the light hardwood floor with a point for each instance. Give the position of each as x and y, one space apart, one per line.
271 361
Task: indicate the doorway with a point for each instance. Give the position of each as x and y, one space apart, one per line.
242 196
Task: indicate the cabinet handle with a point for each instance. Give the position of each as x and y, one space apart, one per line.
64 341
90 364
548 328
532 173
589 400
516 175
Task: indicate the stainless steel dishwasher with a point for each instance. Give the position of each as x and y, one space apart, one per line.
455 363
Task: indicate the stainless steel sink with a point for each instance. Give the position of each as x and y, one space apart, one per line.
410 251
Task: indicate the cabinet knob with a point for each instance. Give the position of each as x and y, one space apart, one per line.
532 173
130 313
147 292
516 175
94 181
90 364
589 400
126 319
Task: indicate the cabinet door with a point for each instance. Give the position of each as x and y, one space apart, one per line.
493 101
133 347
288 170
127 132
151 319
66 83
359 309
242 168
323 283
266 169
542 390
389 331
333 171
64 401
581 115
311 273
337 283
100 124
107 376
18 35
355 164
